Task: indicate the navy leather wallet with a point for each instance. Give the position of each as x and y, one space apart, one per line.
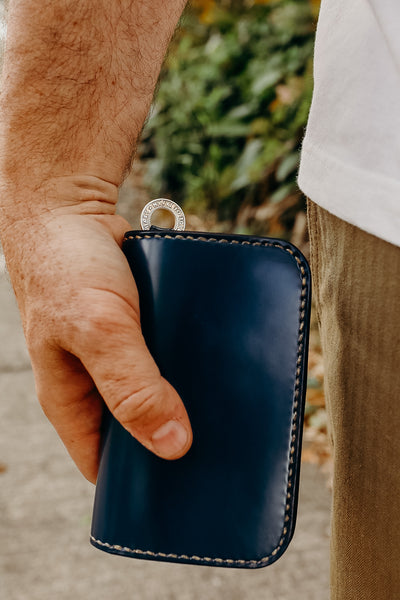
226 318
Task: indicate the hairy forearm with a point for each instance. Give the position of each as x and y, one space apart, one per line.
78 80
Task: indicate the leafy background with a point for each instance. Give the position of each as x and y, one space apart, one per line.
227 123
225 130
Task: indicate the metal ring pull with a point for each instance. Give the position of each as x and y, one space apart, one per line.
165 204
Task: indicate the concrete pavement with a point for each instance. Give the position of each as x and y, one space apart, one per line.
45 508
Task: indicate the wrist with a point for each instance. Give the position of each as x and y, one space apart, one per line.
80 193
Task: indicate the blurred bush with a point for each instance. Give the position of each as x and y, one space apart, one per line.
226 126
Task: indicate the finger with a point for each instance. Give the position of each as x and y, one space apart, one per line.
73 405
114 352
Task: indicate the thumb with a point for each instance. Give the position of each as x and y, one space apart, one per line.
116 356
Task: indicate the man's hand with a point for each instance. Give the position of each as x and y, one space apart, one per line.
78 80
80 313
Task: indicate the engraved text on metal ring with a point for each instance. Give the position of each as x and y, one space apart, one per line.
164 203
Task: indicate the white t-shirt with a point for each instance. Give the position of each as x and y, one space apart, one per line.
350 161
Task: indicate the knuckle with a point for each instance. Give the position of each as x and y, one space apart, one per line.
32 340
93 324
140 408
44 323
36 337
100 320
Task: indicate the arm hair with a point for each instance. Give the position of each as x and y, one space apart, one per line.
78 80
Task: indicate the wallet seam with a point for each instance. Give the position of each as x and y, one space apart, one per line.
294 429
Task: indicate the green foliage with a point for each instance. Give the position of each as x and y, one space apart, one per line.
227 122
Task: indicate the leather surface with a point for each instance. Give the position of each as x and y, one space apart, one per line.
226 319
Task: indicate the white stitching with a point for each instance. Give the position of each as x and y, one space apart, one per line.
292 450
193 558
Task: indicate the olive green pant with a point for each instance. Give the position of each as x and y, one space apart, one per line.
357 294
